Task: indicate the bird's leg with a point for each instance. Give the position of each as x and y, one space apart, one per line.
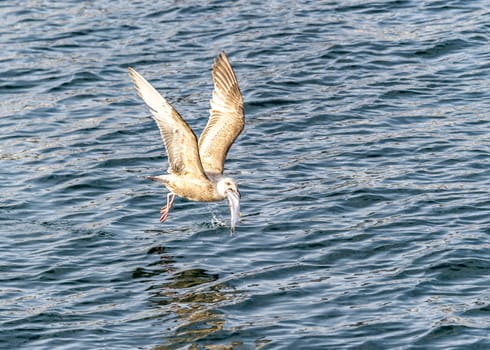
166 209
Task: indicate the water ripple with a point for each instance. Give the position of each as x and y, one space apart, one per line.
362 170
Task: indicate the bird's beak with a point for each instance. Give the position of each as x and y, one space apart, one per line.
234 203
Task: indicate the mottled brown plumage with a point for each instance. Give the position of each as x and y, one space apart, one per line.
196 168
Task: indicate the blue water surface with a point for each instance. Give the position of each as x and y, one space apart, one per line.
364 170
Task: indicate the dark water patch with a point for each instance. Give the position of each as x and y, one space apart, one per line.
461 269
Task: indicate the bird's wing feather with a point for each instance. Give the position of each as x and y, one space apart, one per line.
178 138
226 120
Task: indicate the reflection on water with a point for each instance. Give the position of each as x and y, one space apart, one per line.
190 298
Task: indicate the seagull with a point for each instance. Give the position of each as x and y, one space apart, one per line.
195 169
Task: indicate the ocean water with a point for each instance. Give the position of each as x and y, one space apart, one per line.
364 170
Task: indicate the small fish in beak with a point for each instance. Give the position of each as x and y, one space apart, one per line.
234 204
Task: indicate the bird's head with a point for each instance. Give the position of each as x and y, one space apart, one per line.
226 185
228 188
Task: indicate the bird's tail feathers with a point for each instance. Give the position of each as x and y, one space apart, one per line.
160 178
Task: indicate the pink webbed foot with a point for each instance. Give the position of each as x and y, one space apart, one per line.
166 209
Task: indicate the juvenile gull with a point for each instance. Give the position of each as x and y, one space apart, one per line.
196 168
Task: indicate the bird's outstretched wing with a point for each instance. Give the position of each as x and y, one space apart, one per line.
226 118
179 139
